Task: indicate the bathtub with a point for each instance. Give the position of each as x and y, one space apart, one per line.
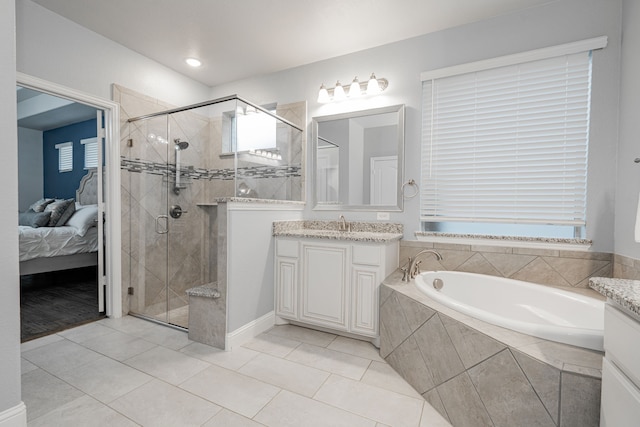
542 311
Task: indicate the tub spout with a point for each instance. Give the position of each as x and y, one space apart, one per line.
414 269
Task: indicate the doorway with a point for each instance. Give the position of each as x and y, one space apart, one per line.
107 198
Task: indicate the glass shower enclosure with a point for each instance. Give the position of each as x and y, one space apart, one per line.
175 167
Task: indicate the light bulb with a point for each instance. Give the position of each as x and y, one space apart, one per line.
373 87
323 95
354 88
338 92
193 62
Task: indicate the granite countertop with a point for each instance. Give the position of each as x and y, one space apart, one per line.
377 232
624 292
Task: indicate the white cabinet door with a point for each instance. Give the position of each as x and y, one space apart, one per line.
364 309
286 287
325 297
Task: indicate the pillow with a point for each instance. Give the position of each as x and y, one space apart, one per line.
61 211
84 218
40 205
34 219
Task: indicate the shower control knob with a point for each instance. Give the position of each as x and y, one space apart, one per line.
176 211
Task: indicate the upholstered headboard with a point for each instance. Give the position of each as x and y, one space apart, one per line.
87 192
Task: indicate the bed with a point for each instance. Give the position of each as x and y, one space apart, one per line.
73 245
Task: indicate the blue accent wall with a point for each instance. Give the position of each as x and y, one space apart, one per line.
63 185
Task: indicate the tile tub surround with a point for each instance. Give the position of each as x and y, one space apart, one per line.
624 292
475 373
626 268
541 266
360 231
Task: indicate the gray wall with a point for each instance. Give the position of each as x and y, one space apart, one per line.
30 167
58 50
401 63
628 172
10 286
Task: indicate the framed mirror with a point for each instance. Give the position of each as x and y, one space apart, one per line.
358 160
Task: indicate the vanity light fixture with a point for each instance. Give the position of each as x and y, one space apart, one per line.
193 62
372 87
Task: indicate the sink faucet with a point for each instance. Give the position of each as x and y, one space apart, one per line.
343 225
414 267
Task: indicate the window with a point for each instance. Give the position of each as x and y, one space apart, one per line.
247 128
90 152
504 148
65 156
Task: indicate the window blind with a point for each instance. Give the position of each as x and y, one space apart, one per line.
508 144
65 156
90 152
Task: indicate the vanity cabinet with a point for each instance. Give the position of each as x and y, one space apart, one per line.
332 284
620 403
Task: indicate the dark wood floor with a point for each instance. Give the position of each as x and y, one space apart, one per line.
55 301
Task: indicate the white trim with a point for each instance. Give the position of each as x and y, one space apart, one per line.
578 247
64 144
14 417
518 58
249 331
112 194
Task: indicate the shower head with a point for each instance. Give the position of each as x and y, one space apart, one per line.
181 145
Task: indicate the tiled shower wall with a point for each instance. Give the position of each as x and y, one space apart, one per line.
542 266
148 262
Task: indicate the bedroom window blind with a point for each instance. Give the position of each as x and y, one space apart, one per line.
90 152
65 156
508 144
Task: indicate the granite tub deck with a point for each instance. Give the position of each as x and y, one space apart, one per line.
378 232
625 293
475 373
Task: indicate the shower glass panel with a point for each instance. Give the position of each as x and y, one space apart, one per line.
146 160
176 165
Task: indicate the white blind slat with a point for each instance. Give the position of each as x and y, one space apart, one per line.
90 152
65 156
508 144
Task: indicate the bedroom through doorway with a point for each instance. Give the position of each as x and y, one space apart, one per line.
61 220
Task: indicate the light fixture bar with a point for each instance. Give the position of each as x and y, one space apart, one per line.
338 93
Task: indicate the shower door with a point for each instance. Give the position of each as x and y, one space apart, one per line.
163 241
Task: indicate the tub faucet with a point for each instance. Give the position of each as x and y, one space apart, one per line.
343 225
414 267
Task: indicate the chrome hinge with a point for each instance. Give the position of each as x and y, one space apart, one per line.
130 290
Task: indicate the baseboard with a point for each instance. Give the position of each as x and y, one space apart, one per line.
249 331
14 417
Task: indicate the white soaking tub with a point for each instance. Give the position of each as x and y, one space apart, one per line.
538 310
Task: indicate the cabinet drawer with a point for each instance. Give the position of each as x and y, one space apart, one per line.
367 255
620 405
288 248
622 341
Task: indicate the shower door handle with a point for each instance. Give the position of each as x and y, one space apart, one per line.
162 229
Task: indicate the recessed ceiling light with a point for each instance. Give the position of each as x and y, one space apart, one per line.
193 62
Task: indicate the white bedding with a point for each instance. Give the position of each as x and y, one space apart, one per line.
55 241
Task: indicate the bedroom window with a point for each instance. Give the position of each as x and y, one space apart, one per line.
504 146
65 156
90 152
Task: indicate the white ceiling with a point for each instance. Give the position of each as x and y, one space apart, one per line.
237 39
40 111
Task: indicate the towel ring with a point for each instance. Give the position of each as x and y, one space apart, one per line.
411 182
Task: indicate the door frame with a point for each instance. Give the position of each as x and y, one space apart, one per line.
112 233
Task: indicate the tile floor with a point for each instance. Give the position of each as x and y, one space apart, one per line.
128 372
